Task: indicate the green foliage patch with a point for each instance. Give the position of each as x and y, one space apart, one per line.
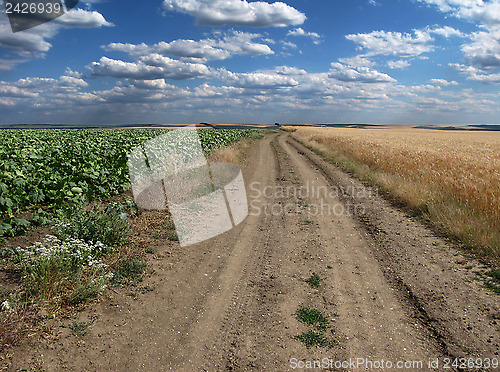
320 323
314 280
57 167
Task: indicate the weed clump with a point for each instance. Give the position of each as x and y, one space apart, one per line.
108 226
314 280
312 317
69 268
321 324
129 271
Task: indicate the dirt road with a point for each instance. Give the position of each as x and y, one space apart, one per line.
392 289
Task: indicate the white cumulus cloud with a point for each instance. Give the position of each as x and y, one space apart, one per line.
446 31
400 64
151 67
482 53
32 43
486 12
476 74
300 32
238 12
260 80
484 50
82 19
223 47
393 43
359 74
443 82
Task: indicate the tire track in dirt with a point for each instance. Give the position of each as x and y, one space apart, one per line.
374 323
259 334
240 270
252 337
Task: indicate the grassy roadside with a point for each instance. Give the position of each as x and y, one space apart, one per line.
235 153
64 267
450 179
86 248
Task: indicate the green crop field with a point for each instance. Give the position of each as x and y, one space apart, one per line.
50 168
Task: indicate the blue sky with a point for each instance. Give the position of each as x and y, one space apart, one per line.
238 61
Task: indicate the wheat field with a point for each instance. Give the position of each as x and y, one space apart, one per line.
451 176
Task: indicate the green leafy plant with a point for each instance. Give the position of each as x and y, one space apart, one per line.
123 209
493 281
90 283
312 317
314 280
78 328
58 167
321 324
171 233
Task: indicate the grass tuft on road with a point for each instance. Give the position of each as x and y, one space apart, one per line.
314 280
320 324
313 338
312 317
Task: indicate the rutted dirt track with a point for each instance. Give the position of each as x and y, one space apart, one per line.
393 290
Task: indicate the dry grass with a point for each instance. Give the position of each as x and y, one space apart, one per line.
453 177
231 154
14 326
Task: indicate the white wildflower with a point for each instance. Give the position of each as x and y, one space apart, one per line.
6 306
109 276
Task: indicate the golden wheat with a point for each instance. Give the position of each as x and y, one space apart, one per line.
453 176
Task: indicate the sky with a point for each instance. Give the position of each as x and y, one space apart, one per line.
239 61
